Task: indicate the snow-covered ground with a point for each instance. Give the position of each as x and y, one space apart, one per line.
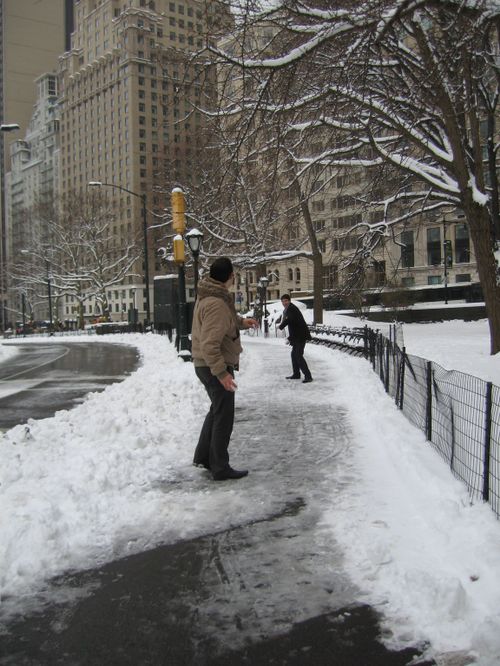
86 486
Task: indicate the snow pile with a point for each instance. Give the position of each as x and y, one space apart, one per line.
6 352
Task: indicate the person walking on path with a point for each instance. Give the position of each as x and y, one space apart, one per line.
216 349
298 335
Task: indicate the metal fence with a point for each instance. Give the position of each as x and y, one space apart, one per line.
459 413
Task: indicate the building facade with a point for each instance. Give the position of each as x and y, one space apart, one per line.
129 92
31 184
33 33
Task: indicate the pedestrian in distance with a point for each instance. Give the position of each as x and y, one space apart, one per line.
216 349
298 335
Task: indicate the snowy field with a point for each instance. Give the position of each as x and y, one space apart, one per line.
82 488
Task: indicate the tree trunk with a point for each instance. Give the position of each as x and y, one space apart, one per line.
81 318
317 263
318 289
480 229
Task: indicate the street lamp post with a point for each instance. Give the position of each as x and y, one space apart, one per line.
264 281
446 261
23 309
195 239
142 197
49 294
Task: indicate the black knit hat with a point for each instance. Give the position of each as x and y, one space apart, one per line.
221 269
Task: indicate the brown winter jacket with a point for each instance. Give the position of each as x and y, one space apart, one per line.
215 334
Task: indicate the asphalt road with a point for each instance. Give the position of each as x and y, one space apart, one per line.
43 378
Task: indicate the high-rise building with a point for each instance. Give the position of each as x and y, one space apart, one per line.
30 185
130 93
33 33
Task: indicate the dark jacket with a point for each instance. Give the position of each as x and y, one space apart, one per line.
298 330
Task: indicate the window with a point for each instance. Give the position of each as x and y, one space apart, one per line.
318 206
330 276
433 247
290 274
322 246
297 275
407 250
463 277
408 281
433 279
319 225
462 244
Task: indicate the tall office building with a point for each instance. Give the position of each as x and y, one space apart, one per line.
33 33
130 90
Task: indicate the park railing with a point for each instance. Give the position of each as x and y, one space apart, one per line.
459 413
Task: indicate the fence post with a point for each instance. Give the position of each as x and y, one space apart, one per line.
380 344
402 378
373 340
387 363
487 442
428 419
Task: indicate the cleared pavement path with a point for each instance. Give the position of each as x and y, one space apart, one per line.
271 591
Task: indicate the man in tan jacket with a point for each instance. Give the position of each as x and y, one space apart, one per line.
216 349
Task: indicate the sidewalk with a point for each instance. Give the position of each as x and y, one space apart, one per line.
270 591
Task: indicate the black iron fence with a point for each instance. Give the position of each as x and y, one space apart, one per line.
459 413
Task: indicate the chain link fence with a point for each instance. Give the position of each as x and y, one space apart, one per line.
459 413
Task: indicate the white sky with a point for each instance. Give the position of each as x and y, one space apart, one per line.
113 476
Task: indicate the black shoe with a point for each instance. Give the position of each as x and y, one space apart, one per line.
201 464
293 377
230 473
307 380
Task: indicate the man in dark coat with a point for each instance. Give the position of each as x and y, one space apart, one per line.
298 335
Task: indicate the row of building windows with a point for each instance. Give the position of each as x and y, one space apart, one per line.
460 278
458 251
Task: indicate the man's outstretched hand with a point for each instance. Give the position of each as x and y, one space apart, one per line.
228 382
249 322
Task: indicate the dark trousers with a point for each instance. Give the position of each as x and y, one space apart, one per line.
213 443
298 360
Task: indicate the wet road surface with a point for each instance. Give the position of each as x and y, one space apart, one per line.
44 378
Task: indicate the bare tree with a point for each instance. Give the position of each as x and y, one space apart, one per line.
76 248
411 84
